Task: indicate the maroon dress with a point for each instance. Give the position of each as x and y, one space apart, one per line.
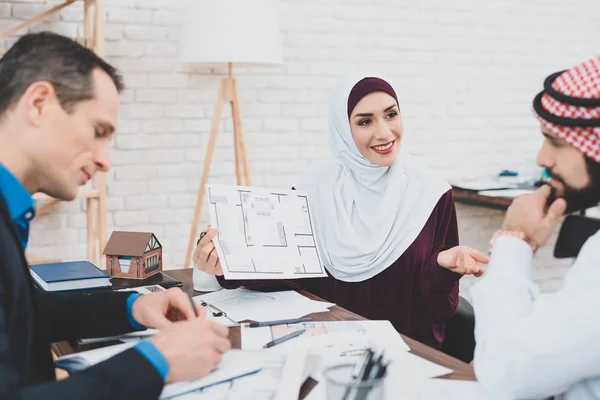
415 293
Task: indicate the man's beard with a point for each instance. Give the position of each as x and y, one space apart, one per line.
580 199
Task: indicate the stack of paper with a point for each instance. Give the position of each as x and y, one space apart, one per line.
244 304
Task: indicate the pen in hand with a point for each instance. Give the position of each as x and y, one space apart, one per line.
193 306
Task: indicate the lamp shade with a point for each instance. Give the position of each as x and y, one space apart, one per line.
243 32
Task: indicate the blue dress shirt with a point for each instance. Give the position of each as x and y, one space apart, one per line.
19 202
21 210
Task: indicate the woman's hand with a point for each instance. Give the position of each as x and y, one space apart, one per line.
205 256
463 260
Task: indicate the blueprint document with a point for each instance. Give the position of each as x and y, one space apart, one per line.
264 233
280 378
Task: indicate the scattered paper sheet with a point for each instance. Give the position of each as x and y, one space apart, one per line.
410 367
478 185
430 389
264 233
339 342
508 193
131 336
233 366
85 359
244 304
436 389
280 378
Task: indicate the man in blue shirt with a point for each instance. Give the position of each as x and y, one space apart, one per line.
58 110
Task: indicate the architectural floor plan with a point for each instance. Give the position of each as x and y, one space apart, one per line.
264 233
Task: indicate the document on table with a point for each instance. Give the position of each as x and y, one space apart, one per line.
435 389
398 387
244 304
264 233
233 366
338 342
280 378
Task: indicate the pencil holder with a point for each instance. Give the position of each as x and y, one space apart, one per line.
341 386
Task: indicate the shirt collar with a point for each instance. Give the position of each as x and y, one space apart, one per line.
17 198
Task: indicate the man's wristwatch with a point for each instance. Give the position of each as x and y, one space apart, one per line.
517 234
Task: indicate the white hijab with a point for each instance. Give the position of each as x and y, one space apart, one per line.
366 215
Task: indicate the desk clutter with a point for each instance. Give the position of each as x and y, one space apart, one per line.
83 275
350 360
508 184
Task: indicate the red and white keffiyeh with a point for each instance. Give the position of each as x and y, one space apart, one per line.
569 106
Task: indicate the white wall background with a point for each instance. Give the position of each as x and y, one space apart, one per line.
466 72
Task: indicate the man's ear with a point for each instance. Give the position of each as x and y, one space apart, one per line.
37 100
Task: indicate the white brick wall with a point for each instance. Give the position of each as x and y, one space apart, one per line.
466 72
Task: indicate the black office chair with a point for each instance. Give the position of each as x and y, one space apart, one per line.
574 232
460 336
459 341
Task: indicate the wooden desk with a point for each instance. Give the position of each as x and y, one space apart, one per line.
473 198
462 371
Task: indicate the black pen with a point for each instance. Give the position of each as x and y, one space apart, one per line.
284 338
280 322
193 305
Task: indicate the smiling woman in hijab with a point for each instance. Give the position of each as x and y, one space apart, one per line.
387 228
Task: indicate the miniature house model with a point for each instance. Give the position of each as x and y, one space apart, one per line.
136 255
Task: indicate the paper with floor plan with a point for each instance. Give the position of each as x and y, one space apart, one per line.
244 304
338 342
264 233
280 378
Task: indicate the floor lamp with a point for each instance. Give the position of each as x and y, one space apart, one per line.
228 33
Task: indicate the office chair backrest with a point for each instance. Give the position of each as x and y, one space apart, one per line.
575 230
459 341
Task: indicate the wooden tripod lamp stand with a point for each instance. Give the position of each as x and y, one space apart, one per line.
231 33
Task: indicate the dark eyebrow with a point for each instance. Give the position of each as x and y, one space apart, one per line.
109 127
371 114
555 141
548 136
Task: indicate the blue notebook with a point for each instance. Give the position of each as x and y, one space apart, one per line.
69 275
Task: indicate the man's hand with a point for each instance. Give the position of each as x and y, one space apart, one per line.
192 348
528 214
462 260
160 309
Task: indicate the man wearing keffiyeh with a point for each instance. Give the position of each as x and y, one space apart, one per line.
532 345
